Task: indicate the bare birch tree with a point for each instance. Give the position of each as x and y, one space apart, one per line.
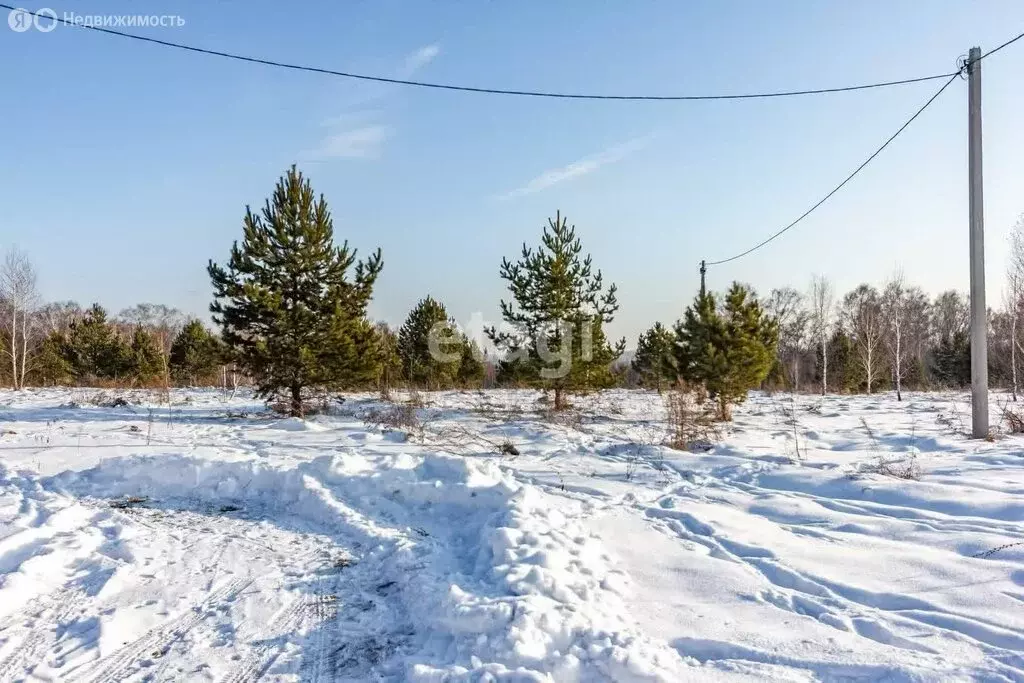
789 309
20 299
1014 296
863 314
894 310
822 301
57 316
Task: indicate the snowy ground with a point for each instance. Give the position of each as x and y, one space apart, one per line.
276 549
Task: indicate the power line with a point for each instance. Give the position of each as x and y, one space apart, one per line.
840 186
471 89
995 50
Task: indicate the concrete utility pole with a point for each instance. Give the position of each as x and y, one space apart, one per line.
979 315
703 270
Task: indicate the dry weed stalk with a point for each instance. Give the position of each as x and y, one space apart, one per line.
691 418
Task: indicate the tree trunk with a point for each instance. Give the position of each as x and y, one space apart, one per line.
559 399
296 410
14 346
723 409
824 366
899 368
24 349
868 369
1013 353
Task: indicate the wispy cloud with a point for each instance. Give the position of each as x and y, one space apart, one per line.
363 142
358 133
419 59
579 168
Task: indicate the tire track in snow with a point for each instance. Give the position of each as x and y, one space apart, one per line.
60 607
256 663
322 613
157 640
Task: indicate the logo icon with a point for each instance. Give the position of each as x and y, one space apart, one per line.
21 20
45 20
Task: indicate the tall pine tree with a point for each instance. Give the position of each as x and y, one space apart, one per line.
654 360
389 369
291 316
557 316
471 365
429 346
94 350
195 355
729 351
146 363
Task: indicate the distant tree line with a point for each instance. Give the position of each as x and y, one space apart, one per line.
62 343
290 305
889 338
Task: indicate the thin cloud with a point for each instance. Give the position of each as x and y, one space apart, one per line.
419 59
364 142
579 168
357 134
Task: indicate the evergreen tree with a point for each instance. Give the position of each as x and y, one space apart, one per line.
843 370
729 351
52 366
94 349
429 346
517 369
146 362
951 359
290 315
654 360
557 316
389 369
471 365
195 355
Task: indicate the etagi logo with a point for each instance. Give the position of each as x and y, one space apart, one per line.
21 20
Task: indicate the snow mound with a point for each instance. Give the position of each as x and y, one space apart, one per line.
494 580
296 424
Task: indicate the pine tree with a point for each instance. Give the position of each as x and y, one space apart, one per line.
195 354
729 351
389 369
429 346
517 369
471 365
290 316
146 363
843 369
95 350
557 316
52 366
654 360
951 359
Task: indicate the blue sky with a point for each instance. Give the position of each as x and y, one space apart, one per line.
127 166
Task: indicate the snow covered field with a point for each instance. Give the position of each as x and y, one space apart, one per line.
218 542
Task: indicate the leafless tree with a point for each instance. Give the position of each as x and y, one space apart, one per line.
862 311
822 301
20 300
950 314
1013 299
916 329
788 307
894 312
57 316
162 321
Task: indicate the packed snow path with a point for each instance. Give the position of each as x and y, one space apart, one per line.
210 540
